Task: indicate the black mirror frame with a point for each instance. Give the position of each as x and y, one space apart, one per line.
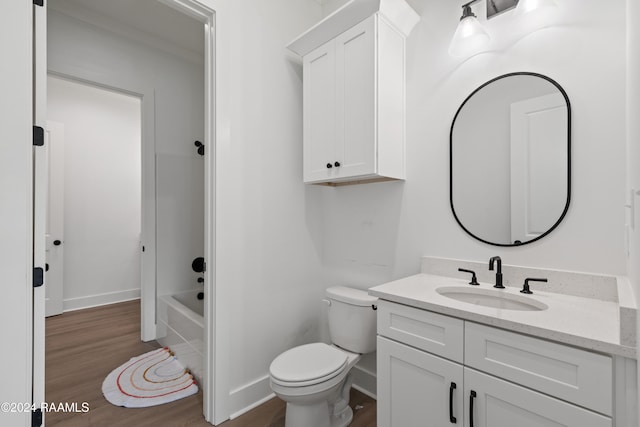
566 207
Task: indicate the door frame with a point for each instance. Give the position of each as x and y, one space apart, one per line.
54 217
146 94
215 387
215 382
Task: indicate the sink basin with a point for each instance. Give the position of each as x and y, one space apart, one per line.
491 298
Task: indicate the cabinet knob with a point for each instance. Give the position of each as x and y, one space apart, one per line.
336 164
329 165
57 243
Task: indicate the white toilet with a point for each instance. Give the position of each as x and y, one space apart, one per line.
314 379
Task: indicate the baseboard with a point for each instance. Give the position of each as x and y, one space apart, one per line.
89 301
248 396
365 381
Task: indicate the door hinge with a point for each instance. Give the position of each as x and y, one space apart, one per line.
38 136
38 2
38 277
36 418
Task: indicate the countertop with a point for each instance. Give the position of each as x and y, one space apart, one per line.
582 322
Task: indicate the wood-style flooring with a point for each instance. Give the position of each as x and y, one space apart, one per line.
83 346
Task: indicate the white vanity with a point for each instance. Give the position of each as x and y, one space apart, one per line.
448 358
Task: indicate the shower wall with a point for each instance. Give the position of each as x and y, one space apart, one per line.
179 219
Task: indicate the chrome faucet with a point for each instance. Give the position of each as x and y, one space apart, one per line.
498 271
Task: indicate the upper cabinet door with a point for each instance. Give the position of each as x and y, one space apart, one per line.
355 100
319 113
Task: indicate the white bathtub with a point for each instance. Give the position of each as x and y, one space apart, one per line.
180 327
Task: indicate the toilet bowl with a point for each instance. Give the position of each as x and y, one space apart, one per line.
314 379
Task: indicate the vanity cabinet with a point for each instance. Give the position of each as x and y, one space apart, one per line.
435 370
353 106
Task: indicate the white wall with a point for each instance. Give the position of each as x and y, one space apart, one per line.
102 168
633 146
269 237
173 98
330 6
378 232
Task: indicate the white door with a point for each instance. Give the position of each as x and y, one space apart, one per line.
492 402
55 219
355 100
416 388
538 165
319 113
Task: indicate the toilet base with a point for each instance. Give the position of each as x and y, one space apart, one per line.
317 415
343 419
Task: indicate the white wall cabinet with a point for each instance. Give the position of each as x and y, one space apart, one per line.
353 102
353 93
416 387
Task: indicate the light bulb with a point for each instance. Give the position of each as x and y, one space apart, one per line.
529 6
470 37
532 15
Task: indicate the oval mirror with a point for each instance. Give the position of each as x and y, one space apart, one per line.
510 161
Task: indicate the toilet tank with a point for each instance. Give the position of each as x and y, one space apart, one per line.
352 319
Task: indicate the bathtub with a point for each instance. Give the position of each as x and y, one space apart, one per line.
180 326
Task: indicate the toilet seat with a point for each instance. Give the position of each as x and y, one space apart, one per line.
308 365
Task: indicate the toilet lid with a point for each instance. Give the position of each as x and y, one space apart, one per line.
308 362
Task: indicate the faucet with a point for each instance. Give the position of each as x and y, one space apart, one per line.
525 287
498 271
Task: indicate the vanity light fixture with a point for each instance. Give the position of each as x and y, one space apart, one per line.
470 37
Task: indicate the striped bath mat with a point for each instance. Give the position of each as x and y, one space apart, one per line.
151 379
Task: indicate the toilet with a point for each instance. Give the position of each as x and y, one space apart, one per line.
314 379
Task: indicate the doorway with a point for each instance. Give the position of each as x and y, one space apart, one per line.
94 209
74 57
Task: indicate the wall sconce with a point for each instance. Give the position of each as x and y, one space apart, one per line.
471 37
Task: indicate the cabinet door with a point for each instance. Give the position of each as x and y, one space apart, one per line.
498 403
355 100
415 388
319 113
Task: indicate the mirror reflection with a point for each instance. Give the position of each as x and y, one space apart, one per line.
510 159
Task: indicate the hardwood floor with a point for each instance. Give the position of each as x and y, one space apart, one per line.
82 347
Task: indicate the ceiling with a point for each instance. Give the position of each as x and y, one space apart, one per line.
150 17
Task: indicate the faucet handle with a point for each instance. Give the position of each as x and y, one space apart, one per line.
473 281
525 287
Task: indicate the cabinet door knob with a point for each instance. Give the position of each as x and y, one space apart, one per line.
336 164
329 165
57 243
